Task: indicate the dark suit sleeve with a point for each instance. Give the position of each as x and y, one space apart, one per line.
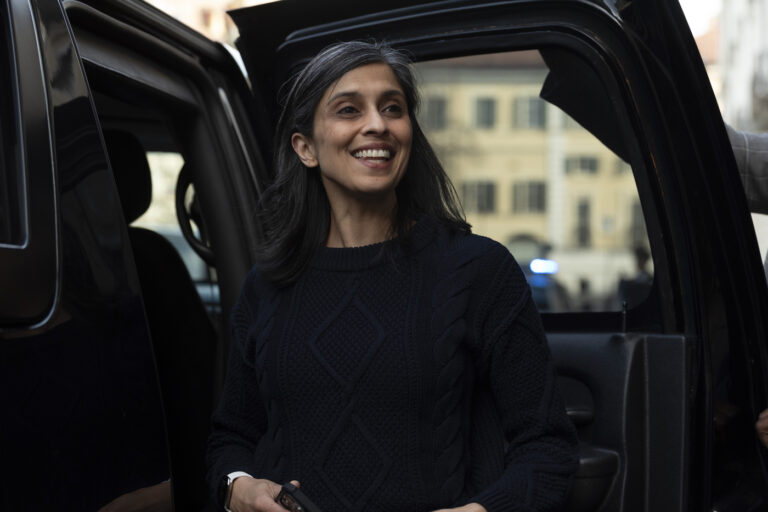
751 152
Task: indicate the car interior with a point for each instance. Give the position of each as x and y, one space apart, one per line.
624 365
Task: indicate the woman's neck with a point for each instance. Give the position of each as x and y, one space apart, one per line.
358 227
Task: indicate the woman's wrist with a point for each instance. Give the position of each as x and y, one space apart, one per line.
237 483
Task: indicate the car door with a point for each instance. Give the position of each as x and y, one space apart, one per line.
82 416
585 136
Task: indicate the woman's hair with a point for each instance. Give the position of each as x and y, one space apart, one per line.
295 211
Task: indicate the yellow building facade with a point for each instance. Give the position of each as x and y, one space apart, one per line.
525 170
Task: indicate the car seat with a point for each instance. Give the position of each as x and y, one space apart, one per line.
183 337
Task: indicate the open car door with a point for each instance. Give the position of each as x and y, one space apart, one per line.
584 135
109 337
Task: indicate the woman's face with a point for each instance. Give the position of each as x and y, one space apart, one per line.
362 136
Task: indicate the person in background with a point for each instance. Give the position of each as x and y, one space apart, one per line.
751 152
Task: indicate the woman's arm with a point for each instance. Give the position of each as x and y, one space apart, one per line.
541 457
240 419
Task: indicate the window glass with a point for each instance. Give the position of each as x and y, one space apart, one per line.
161 215
529 197
562 200
529 113
479 196
10 173
485 113
434 116
587 164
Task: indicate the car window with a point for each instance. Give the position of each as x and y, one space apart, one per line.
531 177
10 172
161 214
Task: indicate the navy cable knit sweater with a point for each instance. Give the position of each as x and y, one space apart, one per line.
387 377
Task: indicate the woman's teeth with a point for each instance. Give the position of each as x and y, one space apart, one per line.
373 153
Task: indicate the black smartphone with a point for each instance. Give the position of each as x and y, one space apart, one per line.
291 498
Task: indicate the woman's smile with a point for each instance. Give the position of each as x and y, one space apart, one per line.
376 156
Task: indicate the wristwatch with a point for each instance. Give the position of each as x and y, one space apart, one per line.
224 492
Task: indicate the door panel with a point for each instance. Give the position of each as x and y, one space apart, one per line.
82 418
635 421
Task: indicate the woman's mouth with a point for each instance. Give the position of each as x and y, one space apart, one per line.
374 155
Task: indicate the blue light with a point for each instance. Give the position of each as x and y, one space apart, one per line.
542 266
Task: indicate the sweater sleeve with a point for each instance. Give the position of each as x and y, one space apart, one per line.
240 418
541 456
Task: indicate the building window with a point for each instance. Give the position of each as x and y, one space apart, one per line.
479 196
585 164
583 224
529 113
485 113
529 197
434 115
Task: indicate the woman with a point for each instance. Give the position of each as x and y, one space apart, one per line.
380 351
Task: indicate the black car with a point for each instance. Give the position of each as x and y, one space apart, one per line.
110 363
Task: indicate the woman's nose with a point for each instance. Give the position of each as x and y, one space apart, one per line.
375 122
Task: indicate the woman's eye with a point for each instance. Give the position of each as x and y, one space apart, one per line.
347 110
394 109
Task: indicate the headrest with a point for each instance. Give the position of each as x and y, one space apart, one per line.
131 170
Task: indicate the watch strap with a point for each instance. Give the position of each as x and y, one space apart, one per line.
229 480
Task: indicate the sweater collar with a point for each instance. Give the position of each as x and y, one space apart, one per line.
368 256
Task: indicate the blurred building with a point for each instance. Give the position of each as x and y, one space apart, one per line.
528 175
709 44
744 63
209 17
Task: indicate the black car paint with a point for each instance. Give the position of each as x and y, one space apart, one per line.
82 418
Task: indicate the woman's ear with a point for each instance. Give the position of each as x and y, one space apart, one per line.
303 147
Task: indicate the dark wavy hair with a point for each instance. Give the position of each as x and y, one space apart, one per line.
295 211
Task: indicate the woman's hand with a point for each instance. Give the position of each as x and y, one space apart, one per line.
255 495
470 507
762 427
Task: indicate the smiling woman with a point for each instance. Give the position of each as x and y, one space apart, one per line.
381 353
360 144
333 109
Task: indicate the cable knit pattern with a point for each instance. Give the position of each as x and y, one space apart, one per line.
388 377
449 307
